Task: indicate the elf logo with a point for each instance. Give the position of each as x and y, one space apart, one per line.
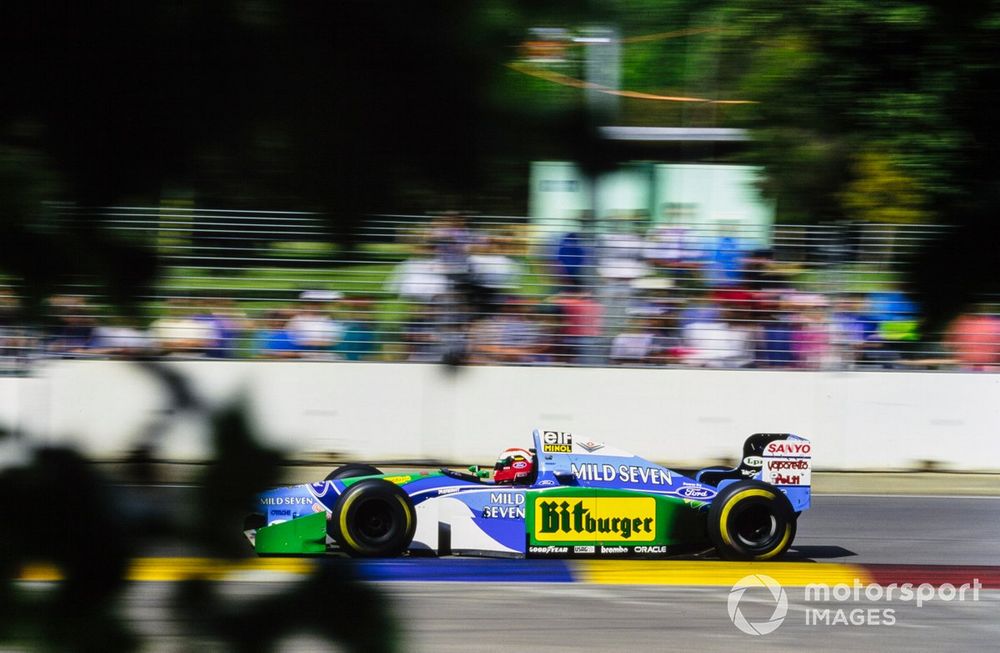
557 442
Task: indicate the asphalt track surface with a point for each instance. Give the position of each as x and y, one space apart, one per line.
632 605
863 529
491 617
916 530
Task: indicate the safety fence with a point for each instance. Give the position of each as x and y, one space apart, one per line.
474 289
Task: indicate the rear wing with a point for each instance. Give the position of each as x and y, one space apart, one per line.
783 460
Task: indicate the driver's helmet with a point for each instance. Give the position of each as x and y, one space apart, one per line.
514 465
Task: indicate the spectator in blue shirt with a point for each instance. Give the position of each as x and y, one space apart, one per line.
571 257
725 263
274 340
777 337
359 341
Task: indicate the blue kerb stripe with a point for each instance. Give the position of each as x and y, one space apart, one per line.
482 570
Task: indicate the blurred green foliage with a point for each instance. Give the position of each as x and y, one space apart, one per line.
848 93
878 111
355 107
63 513
863 109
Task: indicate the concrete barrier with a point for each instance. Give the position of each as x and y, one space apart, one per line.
857 420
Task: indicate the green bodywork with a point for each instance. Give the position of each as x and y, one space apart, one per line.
398 479
305 535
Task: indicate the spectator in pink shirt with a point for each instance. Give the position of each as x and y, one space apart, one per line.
975 340
811 341
582 316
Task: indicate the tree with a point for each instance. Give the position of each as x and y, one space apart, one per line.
878 110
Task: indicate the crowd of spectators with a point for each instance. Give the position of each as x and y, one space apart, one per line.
666 296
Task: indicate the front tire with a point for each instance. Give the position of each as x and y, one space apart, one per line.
751 520
352 470
373 519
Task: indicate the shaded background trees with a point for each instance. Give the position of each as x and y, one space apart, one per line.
861 110
879 111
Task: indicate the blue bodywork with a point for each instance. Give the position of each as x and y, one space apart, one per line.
460 513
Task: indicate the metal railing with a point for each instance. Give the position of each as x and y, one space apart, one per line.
502 290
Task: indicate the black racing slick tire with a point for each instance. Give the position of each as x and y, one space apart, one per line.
751 520
373 519
352 470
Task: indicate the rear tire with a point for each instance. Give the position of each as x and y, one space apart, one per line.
751 520
352 470
373 519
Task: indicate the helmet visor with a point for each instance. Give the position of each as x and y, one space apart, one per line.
503 463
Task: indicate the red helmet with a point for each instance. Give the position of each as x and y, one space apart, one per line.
515 465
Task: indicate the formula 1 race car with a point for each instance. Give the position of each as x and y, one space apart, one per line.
565 497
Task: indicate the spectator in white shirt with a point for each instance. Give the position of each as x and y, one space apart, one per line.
179 333
718 342
313 329
420 278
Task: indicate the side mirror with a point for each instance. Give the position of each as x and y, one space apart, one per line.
479 473
564 476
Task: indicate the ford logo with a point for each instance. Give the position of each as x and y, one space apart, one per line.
694 492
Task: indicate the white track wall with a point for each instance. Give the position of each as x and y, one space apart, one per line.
860 420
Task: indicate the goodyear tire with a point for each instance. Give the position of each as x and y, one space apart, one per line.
751 520
373 519
352 470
